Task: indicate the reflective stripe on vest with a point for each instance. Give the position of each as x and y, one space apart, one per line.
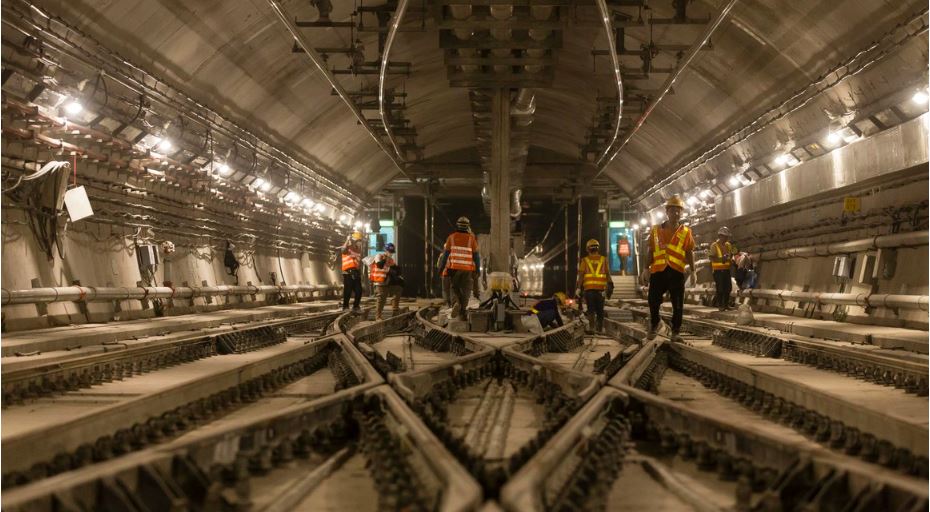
720 262
379 275
595 277
460 255
349 260
673 254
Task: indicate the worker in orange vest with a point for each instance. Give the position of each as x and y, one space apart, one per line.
460 258
669 248
384 276
593 282
722 256
352 271
623 252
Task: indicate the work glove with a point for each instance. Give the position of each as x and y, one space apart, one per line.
644 277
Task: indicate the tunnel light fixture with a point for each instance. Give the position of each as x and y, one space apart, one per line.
834 138
920 97
73 107
643 221
635 227
342 218
320 207
258 183
706 193
223 169
781 159
307 203
165 145
692 200
734 181
291 197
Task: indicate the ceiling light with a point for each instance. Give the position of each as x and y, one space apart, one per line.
291 197
834 138
307 202
644 221
73 108
734 181
635 227
224 169
919 97
342 218
258 183
705 193
358 225
692 200
165 146
781 159
320 207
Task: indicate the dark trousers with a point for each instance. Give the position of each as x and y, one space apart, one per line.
461 282
724 287
622 264
594 302
549 318
673 282
351 283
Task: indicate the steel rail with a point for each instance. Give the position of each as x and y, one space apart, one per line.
340 90
668 84
382 78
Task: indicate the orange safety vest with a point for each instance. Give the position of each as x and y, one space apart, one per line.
671 254
623 248
379 275
595 272
721 261
350 259
460 254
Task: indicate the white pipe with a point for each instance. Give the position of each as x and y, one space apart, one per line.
100 294
875 300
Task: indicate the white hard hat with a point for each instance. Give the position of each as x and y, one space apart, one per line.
725 231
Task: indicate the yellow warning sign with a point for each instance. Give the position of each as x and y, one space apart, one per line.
851 204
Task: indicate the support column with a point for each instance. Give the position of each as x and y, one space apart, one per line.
500 181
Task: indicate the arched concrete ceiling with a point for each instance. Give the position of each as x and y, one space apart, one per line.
236 57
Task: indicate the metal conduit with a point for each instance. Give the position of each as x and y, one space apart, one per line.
875 300
104 294
896 240
340 90
610 153
385 62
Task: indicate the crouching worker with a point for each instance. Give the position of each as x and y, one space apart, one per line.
385 276
547 310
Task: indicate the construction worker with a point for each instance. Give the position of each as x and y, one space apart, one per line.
669 247
385 277
352 271
547 310
593 282
460 258
722 255
623 252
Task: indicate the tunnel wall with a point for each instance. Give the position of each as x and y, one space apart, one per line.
100 258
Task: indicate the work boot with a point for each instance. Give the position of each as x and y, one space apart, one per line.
356 309
651 335
676 338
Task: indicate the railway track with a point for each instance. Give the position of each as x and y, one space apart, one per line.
410 415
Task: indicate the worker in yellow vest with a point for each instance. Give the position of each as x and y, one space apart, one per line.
384 275
623 252
460 258
722 254
352 271
593 282
669 248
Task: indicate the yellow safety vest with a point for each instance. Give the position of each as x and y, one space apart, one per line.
672 254
718 260
595 273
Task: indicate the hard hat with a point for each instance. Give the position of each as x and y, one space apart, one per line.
356 235
675 201
725 231
463 222
592 243
389 247
561 297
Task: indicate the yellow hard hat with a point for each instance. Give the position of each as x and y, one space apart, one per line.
592 243
356 236
675 201
561 297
